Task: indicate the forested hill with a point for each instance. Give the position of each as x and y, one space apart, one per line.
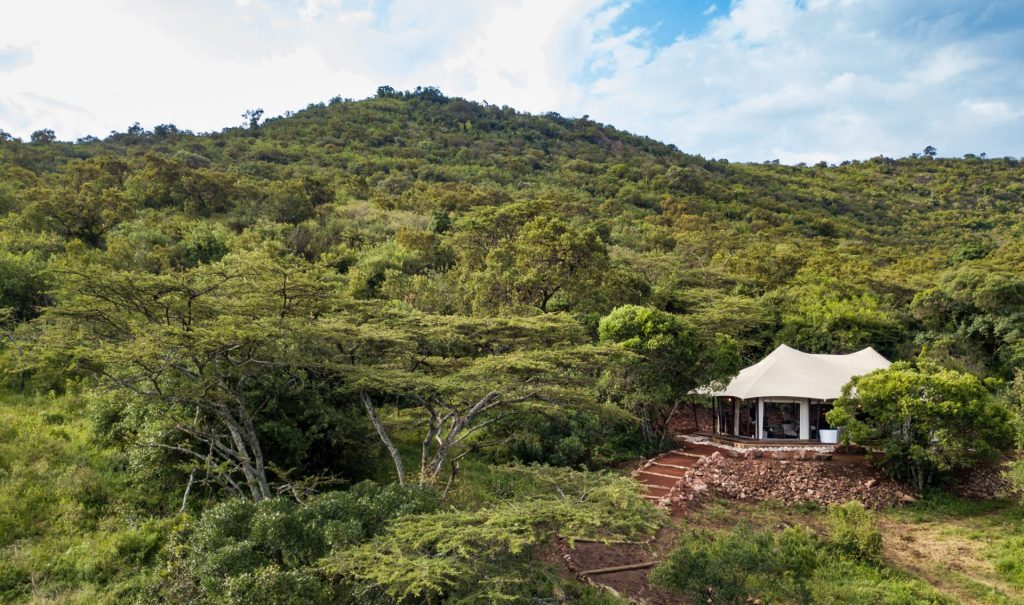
412 194
315 358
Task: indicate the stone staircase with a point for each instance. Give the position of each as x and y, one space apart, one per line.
661 473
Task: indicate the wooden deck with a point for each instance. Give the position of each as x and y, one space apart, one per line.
750 442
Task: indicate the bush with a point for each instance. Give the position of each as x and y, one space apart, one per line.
590 437
854 534
928 421
485 555
242 552
730 566
794 566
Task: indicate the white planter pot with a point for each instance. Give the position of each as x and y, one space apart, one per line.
829 435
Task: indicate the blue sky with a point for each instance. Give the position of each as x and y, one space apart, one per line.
747 80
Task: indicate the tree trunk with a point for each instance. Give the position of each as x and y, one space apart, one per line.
243 459
396 456
668 421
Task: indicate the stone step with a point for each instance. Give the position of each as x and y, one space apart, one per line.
647 472
666 465
687 454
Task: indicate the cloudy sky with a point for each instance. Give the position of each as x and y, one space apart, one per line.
796 80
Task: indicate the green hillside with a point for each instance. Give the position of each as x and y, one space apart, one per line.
211 338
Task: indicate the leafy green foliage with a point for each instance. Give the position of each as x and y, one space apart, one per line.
731 566
73 528
820 321
481 556
593 436
245 552
853 532
975 315
792 565
671 359
847 583
928 421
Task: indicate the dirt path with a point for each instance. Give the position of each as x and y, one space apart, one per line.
658 476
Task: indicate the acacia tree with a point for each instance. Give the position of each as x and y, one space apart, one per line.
196 357
450 378
200 360
928 421
673 359
86 201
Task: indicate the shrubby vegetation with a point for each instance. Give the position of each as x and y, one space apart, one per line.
248 325
794 565
928 421
483 555
241 551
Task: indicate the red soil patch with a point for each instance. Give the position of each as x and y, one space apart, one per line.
631 583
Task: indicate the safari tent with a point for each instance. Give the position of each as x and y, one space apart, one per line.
786 395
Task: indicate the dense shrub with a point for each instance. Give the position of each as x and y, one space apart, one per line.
853 532
928 421
729 567
247 553
795 566
485 555
589 437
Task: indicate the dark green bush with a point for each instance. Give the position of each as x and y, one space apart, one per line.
571 438
248 553
731 566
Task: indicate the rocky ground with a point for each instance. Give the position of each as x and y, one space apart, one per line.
822 481
984 483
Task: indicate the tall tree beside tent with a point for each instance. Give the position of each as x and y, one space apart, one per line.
672 359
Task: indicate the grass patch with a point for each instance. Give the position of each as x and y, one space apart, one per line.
973 550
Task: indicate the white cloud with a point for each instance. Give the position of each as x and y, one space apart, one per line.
995 110
822 79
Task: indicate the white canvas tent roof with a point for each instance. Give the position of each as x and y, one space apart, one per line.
787 372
